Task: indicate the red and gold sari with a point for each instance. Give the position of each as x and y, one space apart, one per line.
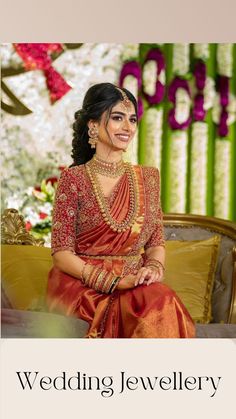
152 311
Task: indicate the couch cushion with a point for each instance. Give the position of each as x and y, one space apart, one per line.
222 290
190 270
24 275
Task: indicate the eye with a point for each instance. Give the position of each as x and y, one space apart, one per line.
133 120
117 118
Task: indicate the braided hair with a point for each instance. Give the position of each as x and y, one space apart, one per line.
99 98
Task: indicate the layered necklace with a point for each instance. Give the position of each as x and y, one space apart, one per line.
96 165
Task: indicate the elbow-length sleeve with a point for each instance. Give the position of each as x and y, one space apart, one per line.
157 236
65 212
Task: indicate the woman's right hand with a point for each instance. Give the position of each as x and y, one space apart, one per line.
126 283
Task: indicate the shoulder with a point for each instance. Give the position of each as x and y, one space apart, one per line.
72 177
148 171
72 172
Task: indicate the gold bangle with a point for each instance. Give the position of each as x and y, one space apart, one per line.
114 284
154 263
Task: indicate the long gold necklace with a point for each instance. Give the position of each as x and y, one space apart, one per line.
134 199
108 169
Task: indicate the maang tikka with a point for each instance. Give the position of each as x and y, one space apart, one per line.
93 136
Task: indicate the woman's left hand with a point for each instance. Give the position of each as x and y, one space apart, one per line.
147 276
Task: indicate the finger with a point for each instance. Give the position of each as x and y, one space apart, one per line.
138 276
159 276
152 278
145 276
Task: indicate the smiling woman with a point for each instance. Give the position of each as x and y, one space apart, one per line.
107 236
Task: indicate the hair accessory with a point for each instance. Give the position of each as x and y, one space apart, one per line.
125 102
93 136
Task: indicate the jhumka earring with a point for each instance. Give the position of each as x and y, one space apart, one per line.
93 136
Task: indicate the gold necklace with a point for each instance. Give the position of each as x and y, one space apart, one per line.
108 169
101 200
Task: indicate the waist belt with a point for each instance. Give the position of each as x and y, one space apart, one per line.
128 257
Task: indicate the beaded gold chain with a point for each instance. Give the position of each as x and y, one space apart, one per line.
134 199
108 169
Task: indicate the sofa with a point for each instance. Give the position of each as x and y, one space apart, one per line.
201 268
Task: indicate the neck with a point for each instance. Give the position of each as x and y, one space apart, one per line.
107 154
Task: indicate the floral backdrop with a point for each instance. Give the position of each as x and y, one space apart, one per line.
187 108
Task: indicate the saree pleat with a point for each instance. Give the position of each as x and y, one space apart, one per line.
153 311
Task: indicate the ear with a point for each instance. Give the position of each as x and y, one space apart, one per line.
92 124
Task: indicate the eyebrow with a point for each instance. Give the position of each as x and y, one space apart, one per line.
122 113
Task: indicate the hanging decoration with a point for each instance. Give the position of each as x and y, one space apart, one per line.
38 57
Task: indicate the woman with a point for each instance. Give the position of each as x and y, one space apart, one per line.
107 237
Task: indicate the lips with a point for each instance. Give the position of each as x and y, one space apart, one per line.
123 137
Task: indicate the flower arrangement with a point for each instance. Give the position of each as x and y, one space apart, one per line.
36 206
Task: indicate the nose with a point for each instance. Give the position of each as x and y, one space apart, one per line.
126 125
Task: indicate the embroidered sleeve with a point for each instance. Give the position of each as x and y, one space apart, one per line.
157 235
65 213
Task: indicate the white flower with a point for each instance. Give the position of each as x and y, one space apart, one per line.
150 77
14 202
130 52
209 93
153 139
46 208
222 178
180 59
131 83
182 107
231 109
178 171
225 59
32 216
201 51
198 187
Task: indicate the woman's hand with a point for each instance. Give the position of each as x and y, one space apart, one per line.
126 283
147 276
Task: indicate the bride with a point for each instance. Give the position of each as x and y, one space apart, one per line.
107 238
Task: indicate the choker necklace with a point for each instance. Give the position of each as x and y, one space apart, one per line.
108 169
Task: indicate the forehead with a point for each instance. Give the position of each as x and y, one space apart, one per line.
119 107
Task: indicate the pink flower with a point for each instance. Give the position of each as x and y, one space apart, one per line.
28 225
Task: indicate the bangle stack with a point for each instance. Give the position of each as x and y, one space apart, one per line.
154 263
100 280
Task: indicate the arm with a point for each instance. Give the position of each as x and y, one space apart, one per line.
154 266
65 213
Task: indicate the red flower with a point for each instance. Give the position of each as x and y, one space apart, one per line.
61 168
53 180
28 225
42 215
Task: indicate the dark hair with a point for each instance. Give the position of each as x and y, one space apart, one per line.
98 99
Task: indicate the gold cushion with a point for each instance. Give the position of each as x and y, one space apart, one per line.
190 272
24 275
190 269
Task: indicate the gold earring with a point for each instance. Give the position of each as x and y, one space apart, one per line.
93 136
